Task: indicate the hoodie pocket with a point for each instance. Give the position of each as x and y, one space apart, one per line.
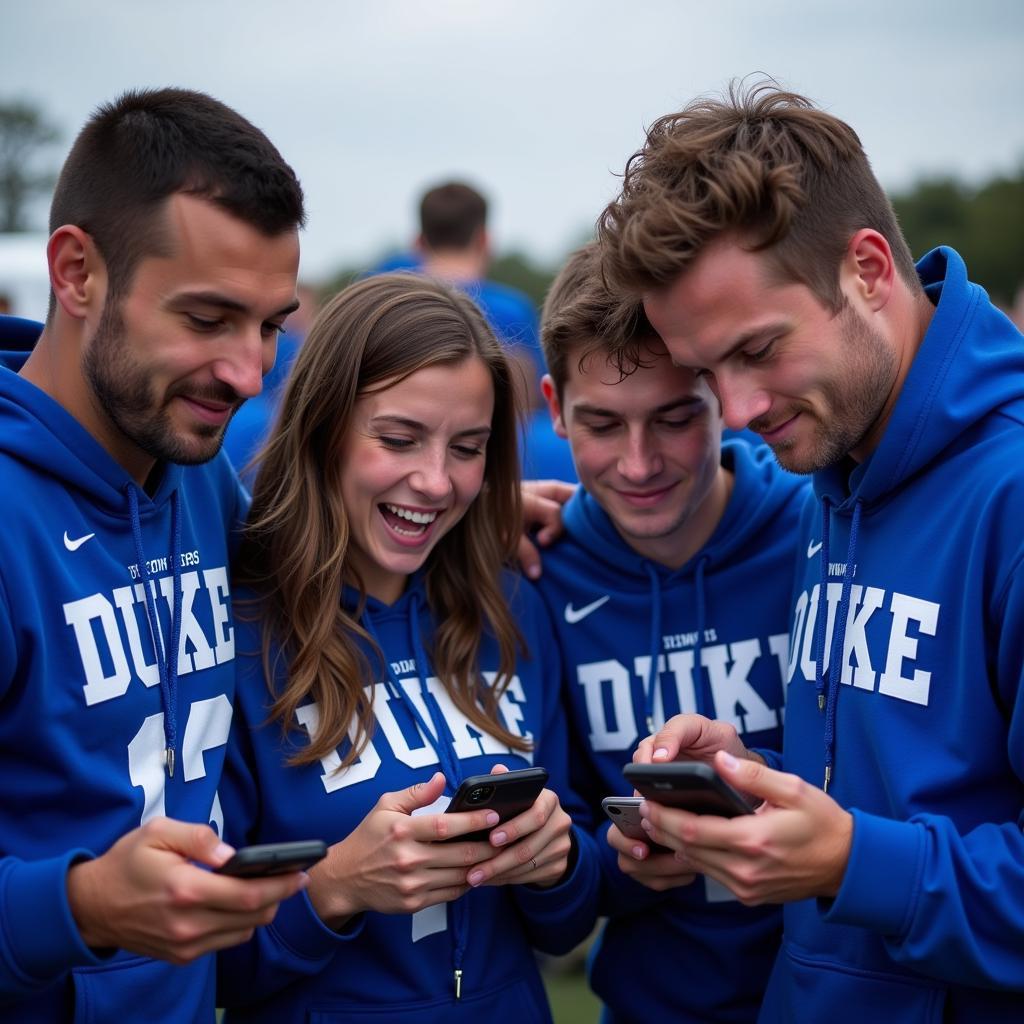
517 1003
803 988
133 989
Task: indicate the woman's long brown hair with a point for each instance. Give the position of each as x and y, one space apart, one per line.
293 551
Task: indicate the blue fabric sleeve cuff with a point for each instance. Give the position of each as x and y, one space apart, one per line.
881 880
772 758
298 927
41 933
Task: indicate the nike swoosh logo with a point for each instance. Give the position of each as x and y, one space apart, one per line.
813 549
74 545
574 615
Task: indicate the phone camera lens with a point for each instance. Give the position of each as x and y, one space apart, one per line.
479 794
615 810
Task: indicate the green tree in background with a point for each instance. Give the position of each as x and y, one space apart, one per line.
985 225
24 134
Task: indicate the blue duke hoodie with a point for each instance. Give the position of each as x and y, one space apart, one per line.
91 567
917 654
695 954
401 966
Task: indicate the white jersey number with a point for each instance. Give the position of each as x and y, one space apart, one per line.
207 727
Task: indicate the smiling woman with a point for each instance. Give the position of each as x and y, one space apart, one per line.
414 463
400 659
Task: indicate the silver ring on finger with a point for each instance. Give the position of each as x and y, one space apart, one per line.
533 861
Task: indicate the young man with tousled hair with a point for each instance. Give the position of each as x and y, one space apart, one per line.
769 260
173 254
668 593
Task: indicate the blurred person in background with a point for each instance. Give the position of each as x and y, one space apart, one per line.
454 246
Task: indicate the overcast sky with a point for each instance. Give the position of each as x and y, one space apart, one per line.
537 102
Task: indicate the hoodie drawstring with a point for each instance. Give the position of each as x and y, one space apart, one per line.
654 646
827 684
703 704
166 658
819 626
445 755
700 683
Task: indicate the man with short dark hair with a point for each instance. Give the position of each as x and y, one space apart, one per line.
668 593
455 247
453 219
173 255
768 259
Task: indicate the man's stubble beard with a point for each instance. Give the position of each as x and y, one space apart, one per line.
853 403
123 394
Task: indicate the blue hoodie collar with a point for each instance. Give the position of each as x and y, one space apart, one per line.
951 385
760 491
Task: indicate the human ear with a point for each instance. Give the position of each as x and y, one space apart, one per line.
550 393
77 272
869 269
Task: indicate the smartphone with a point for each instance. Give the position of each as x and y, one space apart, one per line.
274 859
624 812
508 793
691 785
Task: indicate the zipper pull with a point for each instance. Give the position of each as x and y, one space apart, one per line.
458 983
821 702
650 725
828 777
169 760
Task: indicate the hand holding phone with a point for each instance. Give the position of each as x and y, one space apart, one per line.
274 859
507 793
690 785
535 848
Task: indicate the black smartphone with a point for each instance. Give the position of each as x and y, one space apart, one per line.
691 785
274 858
508 793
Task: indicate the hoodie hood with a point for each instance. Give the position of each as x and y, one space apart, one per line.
952 385
37 431
761 492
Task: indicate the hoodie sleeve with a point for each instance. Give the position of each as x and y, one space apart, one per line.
39 940
559 918
296 943
950 906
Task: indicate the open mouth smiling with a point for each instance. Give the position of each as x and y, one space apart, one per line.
406 521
